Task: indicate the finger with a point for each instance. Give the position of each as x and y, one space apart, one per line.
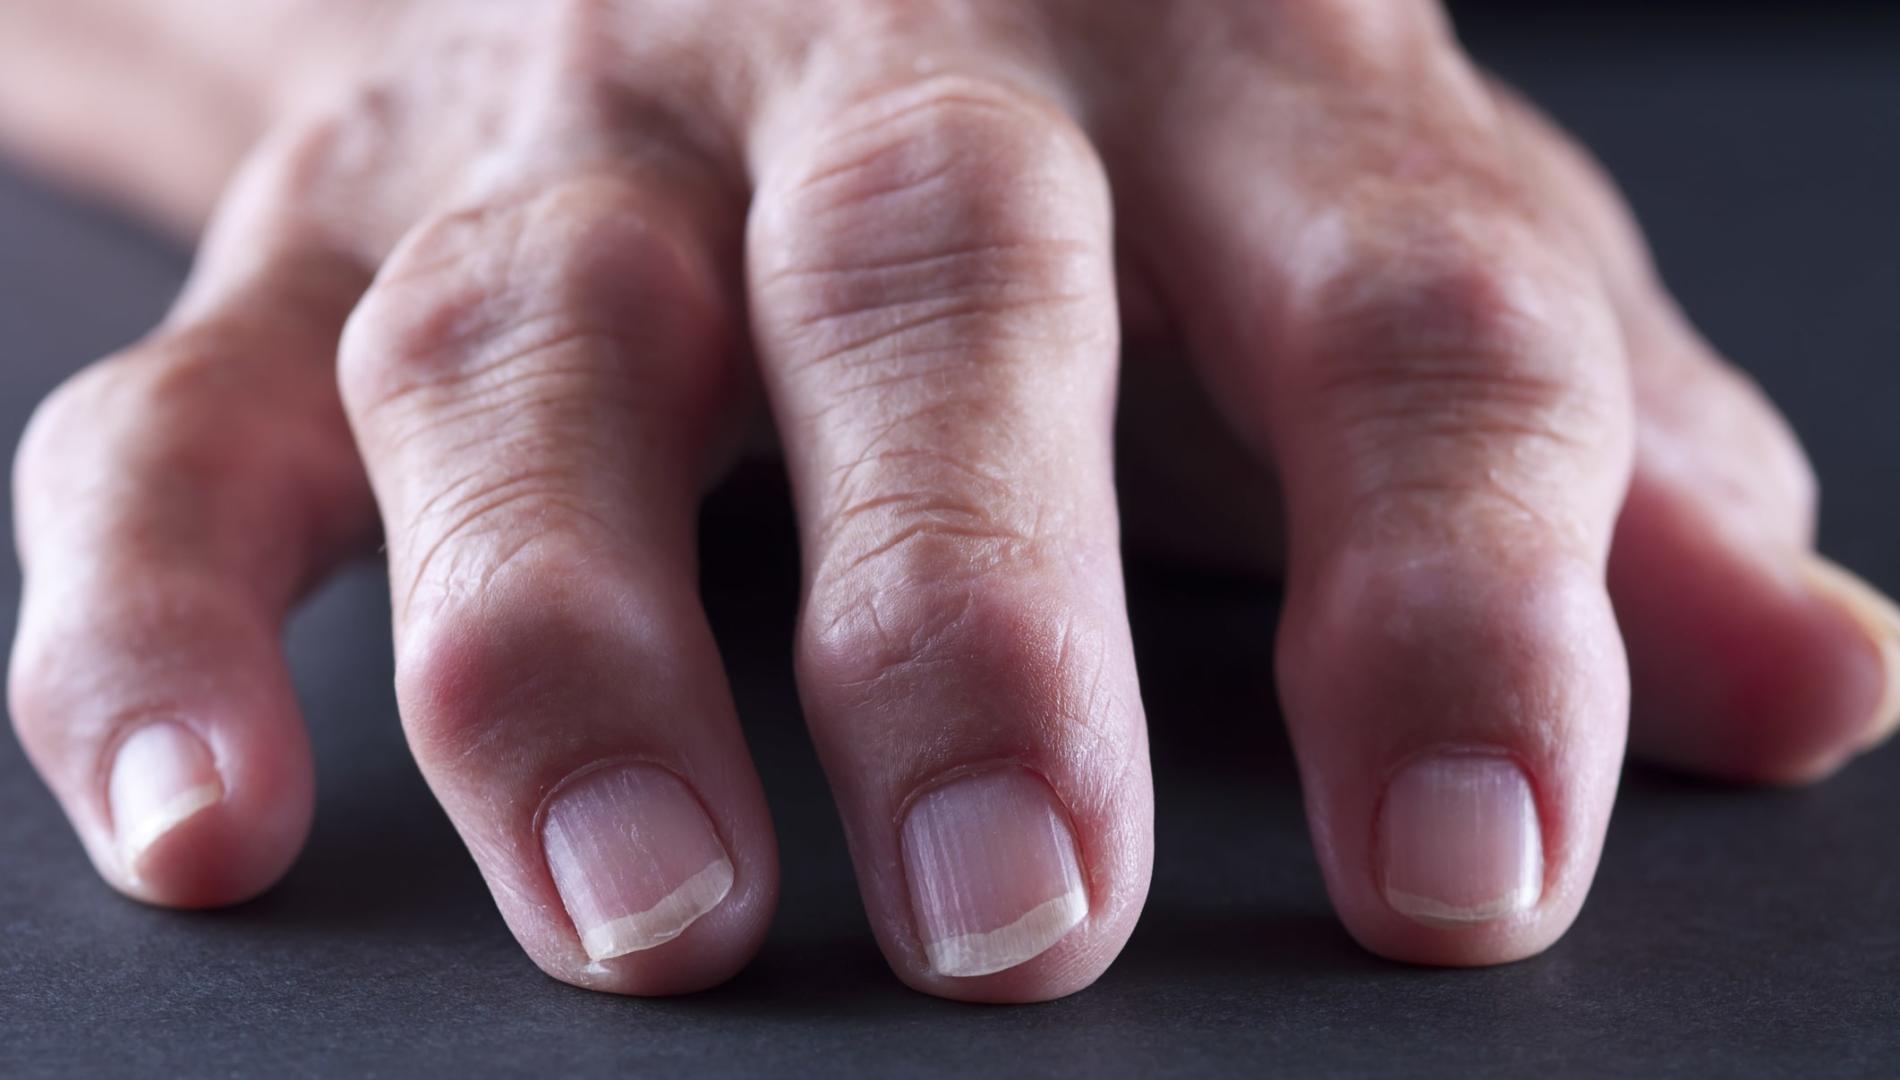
1750 656
933 296
1435 371
173 501
536 383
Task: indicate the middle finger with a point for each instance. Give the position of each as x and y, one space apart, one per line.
932 281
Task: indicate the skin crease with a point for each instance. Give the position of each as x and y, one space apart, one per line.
513 281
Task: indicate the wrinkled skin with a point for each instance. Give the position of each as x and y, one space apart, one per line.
513 279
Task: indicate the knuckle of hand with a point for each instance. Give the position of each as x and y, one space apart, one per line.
484 532
60 419
913 142
470 667
996 639
909 236
456 679
174 406
1692 410
488 293
1539 621
921 533
433 302
1491 335
87 666
945 162
338 146
43 685
1364 31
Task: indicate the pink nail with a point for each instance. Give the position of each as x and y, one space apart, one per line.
634 857
163 777
1462 843
994 877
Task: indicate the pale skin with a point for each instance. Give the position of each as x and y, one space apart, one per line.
503 286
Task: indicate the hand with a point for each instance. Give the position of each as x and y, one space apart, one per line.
510 276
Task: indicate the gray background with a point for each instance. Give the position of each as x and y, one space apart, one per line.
1729 931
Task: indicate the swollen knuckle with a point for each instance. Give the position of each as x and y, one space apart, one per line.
497 293
480 532
1453 297
39 682
337 146
941 212
1487 335
1364 33
468 671
427 306
583 38
42 695
911 142
1537 617
1694 407
135 457
948 534
174 405
1010 639
81 667
57 421
494 297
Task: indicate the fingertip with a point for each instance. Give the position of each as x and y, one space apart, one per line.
163 720
1459 858
196 827
1068 943
710 928
1459 729
1004 905
1825 690
1872 684
1750 664
657 902
987 753
577 729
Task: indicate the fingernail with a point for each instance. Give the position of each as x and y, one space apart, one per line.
634 857
1878 618
994 878
162 777
1462 842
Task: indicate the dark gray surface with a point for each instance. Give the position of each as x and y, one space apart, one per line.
1730 931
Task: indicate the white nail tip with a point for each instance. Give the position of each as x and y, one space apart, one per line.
968 955
1427 910
663 921
177 810
1521 898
